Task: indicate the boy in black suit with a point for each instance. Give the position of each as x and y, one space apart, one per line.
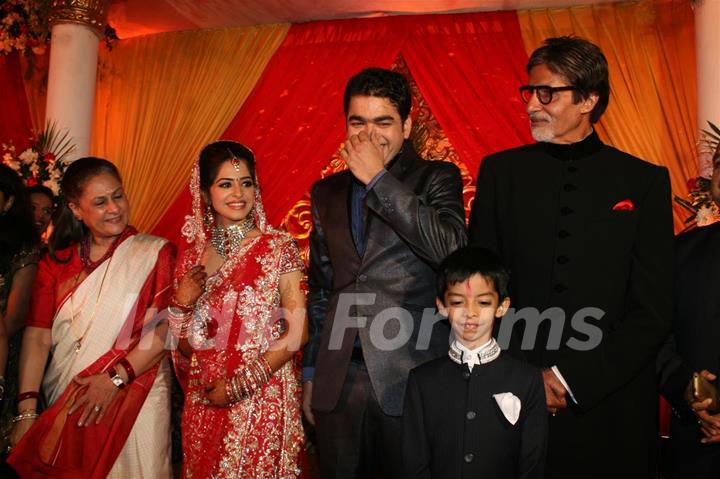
476 412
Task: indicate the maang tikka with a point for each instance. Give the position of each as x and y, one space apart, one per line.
234 160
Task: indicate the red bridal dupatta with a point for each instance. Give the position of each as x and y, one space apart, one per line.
111 310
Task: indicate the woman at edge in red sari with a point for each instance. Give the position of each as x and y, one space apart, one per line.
95 300
240 313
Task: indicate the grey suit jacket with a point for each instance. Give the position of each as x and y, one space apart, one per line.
415 218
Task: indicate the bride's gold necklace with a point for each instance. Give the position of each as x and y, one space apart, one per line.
78 340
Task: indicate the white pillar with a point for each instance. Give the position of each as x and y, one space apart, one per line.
707 43
76 33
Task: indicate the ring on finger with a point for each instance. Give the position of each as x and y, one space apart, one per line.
97 408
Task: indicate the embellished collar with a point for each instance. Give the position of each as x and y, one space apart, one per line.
484 354
575 151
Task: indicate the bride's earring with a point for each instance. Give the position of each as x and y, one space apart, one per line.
209 217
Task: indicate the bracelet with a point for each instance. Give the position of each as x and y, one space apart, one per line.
267 370
229 392
232 390
177 304
24 416
251 379
128 369
238 388
179 321
179 312
28 395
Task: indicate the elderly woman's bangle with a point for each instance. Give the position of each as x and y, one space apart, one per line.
128 369
24 416
27 395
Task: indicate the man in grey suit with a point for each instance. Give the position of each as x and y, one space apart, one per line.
380 229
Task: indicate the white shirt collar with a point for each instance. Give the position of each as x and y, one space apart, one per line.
484 354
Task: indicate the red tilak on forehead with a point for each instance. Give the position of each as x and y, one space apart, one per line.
468 289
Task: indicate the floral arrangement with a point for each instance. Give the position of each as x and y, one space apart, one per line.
24 26
699 203
43 163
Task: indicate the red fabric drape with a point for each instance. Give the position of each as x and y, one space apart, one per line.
293 119
15 121
469 68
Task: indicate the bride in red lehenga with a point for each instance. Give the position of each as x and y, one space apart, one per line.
240 314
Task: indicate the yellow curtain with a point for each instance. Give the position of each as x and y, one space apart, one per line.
650 47
160 98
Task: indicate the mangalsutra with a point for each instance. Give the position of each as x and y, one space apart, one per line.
78 340
228 239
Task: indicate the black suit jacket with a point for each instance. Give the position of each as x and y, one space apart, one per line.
453 427
415 218
693 346
555 214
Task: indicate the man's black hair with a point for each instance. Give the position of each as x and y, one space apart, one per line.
381 83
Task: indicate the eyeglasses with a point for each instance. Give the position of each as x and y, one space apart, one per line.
545 93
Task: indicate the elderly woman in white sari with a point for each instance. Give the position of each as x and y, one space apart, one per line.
94 307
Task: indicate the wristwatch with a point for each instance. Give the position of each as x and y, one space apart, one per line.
116 379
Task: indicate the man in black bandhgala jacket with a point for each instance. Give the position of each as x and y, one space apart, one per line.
586 231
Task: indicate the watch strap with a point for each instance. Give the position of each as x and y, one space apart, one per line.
116 379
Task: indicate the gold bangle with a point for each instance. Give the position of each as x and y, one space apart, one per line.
24 416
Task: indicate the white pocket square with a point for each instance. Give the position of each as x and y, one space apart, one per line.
509 405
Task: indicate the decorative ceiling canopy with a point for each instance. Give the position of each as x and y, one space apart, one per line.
131 18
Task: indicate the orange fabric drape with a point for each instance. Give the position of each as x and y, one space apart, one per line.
650 47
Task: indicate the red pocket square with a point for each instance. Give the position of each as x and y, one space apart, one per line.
624 205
